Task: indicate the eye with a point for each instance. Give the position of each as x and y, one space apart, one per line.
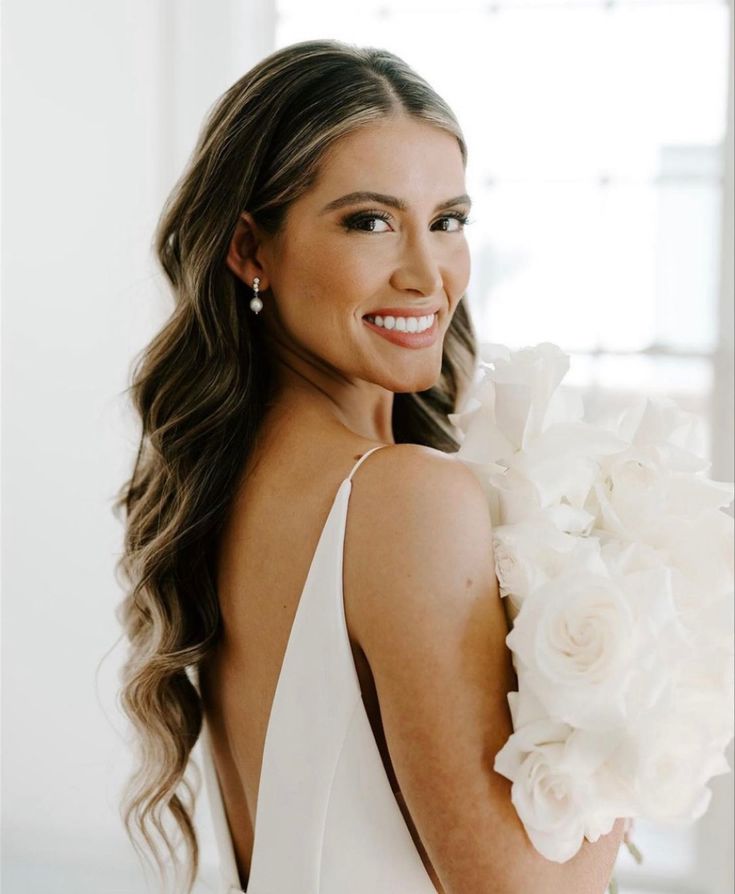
356 221
365 222
461 219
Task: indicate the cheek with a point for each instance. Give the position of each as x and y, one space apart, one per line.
458 271
350 261
334 270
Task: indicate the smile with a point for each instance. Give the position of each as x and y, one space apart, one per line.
408 332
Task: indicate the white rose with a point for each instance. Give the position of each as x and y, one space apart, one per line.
554 790
662 642
513 579
576 639
522 555
690 496
529 553
636 492
631 495
670 760
701 550
563 461
526 383
512 399
661 422
618 567
570 520
525 709
516 497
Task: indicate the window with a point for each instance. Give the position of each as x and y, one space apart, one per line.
595 132
596 135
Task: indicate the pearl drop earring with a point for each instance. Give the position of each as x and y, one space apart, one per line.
256 305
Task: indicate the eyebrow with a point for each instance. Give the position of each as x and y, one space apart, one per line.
353 198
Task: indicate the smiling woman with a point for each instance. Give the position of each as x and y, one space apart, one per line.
331 179
347 676
324 271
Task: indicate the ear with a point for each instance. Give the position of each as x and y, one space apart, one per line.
242 254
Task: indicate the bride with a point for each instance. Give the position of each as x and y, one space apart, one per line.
345 672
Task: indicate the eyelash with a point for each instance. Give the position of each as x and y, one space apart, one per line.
349 222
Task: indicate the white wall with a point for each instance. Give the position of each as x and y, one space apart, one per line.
101 104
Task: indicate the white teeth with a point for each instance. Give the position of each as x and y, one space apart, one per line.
404 324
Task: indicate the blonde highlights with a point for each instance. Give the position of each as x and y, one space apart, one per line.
200 388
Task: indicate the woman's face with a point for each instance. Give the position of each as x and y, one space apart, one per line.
399 253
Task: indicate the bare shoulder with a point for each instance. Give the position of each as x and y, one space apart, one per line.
419 490
424 513
418 550
411 461
425 608
425 503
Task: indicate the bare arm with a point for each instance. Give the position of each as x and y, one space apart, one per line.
432 625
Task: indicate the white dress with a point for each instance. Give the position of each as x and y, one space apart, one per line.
327 821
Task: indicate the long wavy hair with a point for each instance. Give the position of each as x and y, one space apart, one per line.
203 382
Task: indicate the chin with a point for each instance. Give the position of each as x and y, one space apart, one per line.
416 383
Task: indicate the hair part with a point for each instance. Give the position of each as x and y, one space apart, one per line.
201 386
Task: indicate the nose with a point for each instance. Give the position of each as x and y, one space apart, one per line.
418 268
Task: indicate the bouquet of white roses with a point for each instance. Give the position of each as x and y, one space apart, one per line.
616 563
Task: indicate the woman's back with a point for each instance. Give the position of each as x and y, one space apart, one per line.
288 501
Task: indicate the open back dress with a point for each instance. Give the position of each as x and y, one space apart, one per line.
327 821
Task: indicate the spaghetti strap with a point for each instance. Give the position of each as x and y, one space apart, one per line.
324 798
362 458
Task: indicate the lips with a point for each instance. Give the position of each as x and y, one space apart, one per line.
403 311
407 339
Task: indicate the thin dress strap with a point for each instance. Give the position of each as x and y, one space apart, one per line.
362 458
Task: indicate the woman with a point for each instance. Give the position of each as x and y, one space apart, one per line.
316 253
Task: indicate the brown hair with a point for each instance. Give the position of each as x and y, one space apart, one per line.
201 385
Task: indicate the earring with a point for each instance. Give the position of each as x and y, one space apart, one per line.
256 305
